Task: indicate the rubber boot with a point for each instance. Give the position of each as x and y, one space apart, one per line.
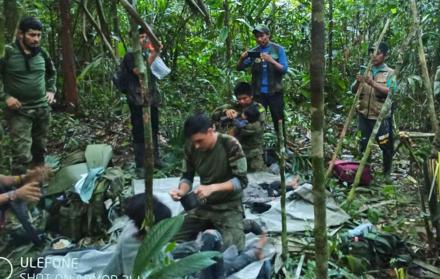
387 164
139 159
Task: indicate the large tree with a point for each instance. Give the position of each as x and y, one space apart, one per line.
69 87
317 73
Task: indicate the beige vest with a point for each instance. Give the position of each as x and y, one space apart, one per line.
371 100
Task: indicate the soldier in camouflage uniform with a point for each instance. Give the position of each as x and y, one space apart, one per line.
250 136
220 162
29 78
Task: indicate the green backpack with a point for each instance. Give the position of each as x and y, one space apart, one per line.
377 249
78 219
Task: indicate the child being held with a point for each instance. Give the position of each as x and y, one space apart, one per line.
250 115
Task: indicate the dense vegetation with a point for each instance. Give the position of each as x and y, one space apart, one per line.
202 46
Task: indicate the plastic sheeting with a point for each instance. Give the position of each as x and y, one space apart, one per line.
299 208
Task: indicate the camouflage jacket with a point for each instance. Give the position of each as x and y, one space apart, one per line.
250 136
224 162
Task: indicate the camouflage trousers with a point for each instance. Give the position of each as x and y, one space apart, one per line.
229 222
254 159
28 132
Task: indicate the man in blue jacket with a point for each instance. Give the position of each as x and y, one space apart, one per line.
268 64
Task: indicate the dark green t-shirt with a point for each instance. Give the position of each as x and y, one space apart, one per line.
28 84
224 162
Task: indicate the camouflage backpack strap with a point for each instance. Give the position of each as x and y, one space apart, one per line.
47 61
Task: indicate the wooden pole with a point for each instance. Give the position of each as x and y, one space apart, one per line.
317 81
425 75
149 161
282 152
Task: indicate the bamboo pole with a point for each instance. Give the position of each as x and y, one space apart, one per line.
149 165
103 37
353 106
282 152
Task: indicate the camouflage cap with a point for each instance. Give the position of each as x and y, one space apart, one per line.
261 28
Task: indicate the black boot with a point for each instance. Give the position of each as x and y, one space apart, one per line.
387 162
139 159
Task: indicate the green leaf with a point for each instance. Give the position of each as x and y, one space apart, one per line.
159 235
244 22
185 266
223 34
92 65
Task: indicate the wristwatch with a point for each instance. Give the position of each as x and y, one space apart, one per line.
12 195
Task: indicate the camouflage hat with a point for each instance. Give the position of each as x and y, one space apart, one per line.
383 47
261 28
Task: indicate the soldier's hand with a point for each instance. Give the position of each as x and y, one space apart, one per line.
231 113
30 192
204 191
38 174
50 97
13 103
359 78
176 194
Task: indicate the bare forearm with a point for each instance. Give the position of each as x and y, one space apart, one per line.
223 187
10 180
184 187
4 198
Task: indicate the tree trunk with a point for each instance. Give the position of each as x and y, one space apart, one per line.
11 15
282 152
2 38
116 26
330 36
98 28
426 78
102 21
70 91
317 74
143 77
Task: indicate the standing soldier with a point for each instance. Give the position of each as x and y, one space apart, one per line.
375 88
268 64
29 76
